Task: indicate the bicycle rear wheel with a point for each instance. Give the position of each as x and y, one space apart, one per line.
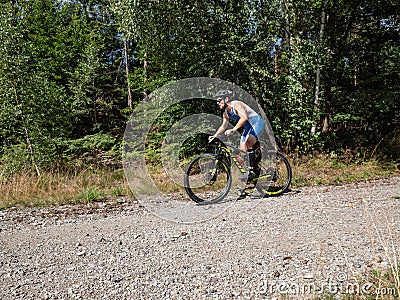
207 180
275 175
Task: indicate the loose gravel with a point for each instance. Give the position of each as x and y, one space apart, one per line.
317 240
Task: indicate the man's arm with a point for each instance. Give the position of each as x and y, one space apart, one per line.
221 129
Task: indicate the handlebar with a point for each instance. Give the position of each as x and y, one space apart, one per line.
223 139
218 138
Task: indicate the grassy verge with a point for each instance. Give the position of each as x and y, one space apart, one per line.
87 185
376 285
324 170
386 283
61 187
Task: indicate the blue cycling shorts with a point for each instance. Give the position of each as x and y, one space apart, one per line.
253 126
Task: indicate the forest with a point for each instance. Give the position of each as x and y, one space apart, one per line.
326 72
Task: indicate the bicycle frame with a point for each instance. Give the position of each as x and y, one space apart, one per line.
222 148
225 148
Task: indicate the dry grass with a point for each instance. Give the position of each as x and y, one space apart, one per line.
386 284
377 285
324 170
320 170
61 187
86 185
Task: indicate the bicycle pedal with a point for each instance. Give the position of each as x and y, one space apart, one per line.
242 196
247 191
250 186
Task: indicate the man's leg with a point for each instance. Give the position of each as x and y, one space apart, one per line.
247 146
248 142
257 158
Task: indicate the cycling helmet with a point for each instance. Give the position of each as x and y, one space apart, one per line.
222 94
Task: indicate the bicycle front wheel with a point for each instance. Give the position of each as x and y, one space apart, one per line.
275 176
207 180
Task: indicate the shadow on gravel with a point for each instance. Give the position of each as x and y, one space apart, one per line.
248 195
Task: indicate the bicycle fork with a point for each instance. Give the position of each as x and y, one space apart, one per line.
212 172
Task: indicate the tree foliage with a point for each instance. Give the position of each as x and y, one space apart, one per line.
325 72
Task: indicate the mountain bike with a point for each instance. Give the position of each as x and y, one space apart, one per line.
208 177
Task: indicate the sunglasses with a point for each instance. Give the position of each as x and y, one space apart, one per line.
219 100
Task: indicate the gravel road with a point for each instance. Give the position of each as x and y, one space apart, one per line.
323 239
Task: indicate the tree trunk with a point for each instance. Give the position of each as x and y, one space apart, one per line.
318 75
127 65
287 32
355 75
276 66
328 102
28 139
27 135
145 74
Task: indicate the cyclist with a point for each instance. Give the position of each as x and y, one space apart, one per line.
247 118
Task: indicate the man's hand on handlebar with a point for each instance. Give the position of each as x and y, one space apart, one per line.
211 138
221 137
229 132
